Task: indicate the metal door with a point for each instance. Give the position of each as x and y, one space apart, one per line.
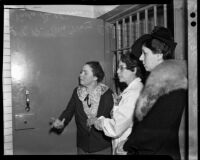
47 53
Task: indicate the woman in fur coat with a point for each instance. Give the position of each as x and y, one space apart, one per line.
160 106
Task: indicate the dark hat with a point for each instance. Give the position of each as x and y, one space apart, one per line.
136 48
164 35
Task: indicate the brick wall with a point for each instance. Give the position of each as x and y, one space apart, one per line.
7 89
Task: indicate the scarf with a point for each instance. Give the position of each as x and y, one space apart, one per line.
94 98
168 76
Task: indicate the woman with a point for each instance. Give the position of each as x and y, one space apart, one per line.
160 106
119 126
89 100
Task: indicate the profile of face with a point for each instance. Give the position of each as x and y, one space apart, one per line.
124 74
86 76
149 59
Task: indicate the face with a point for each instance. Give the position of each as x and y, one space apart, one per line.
124 74
86 76
149 59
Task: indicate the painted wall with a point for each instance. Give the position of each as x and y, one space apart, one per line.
193 78
180 53
186 37
90 11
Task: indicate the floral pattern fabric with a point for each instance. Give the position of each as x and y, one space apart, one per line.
94 98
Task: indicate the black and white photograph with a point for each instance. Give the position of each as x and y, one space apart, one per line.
106 79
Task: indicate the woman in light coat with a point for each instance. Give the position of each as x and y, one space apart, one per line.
119 126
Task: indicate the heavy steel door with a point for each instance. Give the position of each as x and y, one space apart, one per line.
47 53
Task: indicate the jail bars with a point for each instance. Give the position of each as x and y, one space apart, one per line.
130 27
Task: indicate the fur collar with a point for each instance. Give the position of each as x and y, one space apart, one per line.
168 76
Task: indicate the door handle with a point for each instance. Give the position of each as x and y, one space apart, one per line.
27 108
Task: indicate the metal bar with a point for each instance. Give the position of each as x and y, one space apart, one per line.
117 35
146 20
113 45
192 59
130 31
155 15
132 13
165 15
118 42
134 29
123 33
138 26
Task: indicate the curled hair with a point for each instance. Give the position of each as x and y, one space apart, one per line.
132 62
97 70
159 47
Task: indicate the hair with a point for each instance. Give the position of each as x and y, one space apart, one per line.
132 62
159 47
97 70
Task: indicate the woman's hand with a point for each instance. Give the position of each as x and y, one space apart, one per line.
58 124
98 124
91 121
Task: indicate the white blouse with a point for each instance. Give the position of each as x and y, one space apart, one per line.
120 126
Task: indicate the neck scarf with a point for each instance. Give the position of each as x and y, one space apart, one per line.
93 98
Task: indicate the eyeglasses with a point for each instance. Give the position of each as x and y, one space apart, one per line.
122 68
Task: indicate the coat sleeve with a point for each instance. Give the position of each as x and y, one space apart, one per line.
70 109
122 116
107 104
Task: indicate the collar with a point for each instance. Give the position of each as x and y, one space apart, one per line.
98 91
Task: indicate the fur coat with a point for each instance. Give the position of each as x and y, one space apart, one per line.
168 76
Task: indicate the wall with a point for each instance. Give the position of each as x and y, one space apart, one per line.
90 11
180 53
192 76
100 10
186 37
7 92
